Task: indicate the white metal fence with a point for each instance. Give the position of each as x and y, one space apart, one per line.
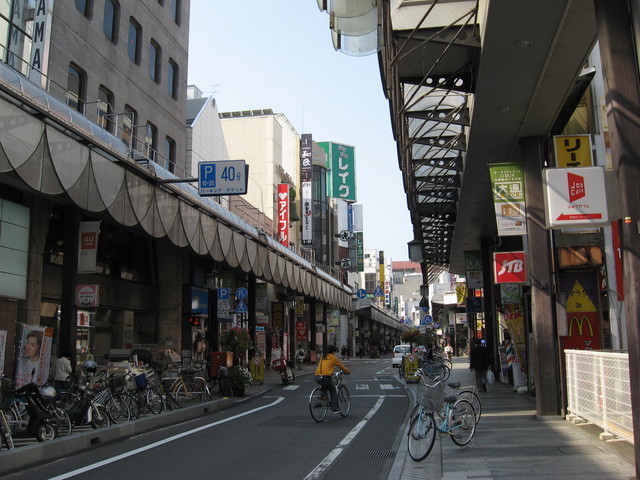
598 390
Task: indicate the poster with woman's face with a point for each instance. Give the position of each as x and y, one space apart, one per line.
34 355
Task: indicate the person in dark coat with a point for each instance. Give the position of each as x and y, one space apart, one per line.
479 362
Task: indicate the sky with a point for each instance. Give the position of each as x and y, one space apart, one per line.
257 54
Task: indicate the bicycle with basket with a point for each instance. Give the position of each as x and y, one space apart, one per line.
455 417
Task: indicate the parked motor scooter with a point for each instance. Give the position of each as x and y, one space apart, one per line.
28 413
82 410
285 369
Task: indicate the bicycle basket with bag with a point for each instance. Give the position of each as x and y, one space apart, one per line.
141 381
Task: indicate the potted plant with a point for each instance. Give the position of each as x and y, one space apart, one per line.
239 379
236 340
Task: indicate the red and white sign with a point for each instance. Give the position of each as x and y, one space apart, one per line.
509 267
575 197
87 295
283 213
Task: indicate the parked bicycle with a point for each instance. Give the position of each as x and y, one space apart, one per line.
467 393
320 401
82 409
457 419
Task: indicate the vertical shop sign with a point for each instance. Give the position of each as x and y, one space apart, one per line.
41 35
88 246
343 172
277 315
306 170
507 184
381 269
473 268
283 213
301 331
3 348
360 251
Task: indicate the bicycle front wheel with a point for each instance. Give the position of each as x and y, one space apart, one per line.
474 400
7 438
422 435
439 372
153 401
462 422
62 422
344 400
318 404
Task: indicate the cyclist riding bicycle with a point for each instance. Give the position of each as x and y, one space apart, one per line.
324 371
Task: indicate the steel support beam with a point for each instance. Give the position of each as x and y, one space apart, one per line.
622 96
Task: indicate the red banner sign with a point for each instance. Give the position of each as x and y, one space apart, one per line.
301 331
509 267
283 213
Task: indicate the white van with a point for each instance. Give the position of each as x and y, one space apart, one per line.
398 352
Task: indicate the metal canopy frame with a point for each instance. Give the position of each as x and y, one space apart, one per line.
429 74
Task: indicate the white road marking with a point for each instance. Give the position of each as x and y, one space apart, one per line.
291 387
161 442
329 459
362 386
387 386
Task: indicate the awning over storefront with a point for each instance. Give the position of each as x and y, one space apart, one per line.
55 151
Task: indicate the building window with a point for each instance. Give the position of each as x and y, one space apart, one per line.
76 81
133 47
84 7
175 10
151 141
170 154
129 120
105 109
110 21
154 61
172 79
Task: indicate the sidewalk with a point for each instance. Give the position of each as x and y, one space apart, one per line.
511 441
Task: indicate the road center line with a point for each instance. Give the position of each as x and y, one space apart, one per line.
161 442
329 459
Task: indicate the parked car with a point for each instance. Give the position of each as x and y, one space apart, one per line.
398 352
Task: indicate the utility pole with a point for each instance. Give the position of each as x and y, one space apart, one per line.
622 96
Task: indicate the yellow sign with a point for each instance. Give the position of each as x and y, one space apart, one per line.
572 150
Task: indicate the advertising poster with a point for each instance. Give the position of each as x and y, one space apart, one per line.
34 355
583 318
507 184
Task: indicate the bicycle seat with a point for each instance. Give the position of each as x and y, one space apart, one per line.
451 399
454 385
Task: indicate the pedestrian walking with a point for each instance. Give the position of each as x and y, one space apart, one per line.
449 351
479 362
300 356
